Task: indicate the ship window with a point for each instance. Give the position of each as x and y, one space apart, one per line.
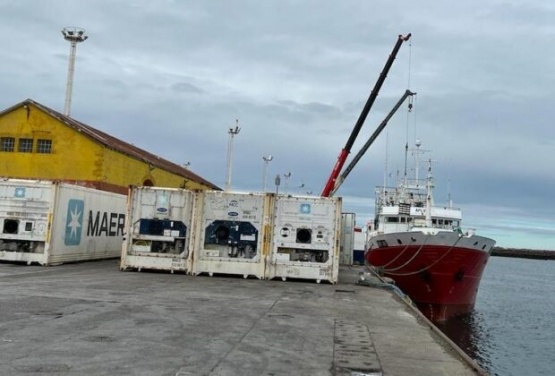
434 222
7 144
392 219
44 146
382 243
25 145
399 241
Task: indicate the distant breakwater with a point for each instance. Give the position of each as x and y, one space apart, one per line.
523 253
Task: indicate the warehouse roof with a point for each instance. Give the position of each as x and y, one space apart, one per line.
117 144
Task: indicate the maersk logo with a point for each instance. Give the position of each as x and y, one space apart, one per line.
74 222
305 208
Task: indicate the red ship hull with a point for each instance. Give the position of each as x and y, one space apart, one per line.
441 279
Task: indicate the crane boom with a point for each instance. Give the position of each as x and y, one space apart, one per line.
370 141
330 183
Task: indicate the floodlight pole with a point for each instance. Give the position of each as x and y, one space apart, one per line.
265 171
73 35
232 132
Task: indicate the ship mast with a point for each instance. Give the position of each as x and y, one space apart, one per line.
418 143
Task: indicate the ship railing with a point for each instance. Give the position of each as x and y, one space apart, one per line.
414 184
389 196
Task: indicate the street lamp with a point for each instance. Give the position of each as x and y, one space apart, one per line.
287 176
232 132
73 35
267 160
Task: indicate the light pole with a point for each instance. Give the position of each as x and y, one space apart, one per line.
232 132
277 181
73 35
267 160
287 176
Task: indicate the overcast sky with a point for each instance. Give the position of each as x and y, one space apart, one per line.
173 76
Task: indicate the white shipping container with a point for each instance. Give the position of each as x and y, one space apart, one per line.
51 223
360 247
347 238
158 229
306 235
230 233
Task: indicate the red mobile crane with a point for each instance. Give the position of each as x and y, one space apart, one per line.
371 140
330 184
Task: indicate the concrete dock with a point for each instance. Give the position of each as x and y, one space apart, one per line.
93 319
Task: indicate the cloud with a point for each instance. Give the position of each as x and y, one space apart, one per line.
172 77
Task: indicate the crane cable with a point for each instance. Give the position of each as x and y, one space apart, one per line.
410 105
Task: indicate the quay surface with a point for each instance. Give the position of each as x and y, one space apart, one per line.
91 318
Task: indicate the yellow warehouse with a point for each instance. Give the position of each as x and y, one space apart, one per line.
37 142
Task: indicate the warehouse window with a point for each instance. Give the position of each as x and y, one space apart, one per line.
25 145
7 143
44 146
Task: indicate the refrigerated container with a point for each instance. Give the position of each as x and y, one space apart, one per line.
306 236
231 230
158 229
348 221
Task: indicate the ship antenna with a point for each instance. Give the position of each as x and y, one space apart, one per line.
385 180
406 156
449 201
429 195
417 143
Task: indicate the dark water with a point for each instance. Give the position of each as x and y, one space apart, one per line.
512 328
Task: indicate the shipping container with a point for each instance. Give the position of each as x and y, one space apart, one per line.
306 236
230 234
51 223
360 246
347 238
158 229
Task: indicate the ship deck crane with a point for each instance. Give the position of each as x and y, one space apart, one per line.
330 183
371 140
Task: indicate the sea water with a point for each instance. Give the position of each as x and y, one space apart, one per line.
512 328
